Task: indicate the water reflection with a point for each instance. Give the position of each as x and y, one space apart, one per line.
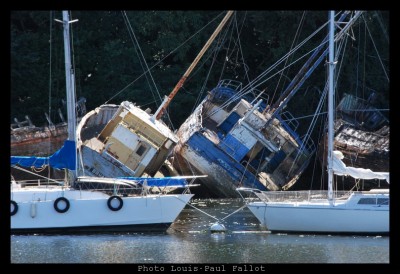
189 240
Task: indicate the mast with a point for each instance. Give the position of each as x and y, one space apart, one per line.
330 105
159 113
70 83
309 67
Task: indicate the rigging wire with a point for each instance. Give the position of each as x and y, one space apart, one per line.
373 43
342 45
38 175
296 37
212 53
157 63
305 71
203 88
283 58
308 67
260 79
240 45
226 59
50 60
384 29
142 59
73 59
50 72
365 45
339 35
358 58
246 90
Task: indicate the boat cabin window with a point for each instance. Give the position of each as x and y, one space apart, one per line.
373 201
383 201
367 201
141 150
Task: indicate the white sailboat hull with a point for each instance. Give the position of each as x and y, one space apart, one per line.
352 212
132 138
321 218
89 212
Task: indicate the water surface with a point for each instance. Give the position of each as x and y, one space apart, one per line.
189 240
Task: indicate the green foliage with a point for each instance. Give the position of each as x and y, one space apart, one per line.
109 66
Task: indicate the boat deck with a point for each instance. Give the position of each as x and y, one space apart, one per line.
95 144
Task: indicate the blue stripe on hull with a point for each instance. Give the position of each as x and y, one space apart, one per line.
232 169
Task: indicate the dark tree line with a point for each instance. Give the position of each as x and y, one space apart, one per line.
108 61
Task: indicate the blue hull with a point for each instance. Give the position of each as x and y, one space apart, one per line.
224 172
239 145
